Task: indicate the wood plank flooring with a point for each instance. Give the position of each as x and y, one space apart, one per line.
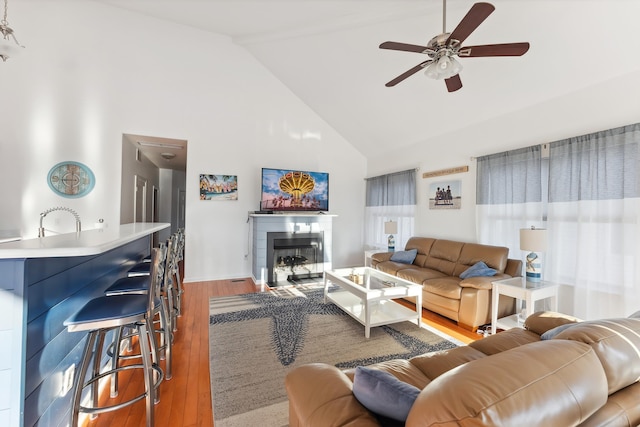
185 399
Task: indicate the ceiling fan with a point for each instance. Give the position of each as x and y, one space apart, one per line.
443 48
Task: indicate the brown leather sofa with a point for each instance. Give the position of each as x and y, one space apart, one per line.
587 375
437 267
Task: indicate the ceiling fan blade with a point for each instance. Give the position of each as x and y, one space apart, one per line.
476 15
403 47
453 83
506 49
407 73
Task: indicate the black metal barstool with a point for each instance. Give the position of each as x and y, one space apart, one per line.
178 256
104 314
140 285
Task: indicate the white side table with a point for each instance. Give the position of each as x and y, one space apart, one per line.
520 288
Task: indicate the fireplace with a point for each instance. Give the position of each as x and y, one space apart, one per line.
293 257
284 227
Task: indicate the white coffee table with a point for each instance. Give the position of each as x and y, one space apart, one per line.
371 303
523 290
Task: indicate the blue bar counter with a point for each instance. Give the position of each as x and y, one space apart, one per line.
42 282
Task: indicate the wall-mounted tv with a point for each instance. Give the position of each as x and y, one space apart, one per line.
294 190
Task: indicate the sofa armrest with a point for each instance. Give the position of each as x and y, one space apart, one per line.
321 395
483 282
513 268
543 321
380 257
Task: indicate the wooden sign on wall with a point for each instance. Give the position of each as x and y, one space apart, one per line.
449 171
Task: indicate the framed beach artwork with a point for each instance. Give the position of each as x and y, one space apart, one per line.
445 195
218 187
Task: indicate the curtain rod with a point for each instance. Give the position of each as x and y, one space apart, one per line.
392 173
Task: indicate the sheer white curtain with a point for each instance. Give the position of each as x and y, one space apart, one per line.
509 196
594 222
390 197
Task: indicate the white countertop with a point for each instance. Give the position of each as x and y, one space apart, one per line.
90 242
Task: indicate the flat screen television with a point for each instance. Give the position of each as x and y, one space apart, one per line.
294 190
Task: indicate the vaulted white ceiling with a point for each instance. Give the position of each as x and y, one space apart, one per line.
326 52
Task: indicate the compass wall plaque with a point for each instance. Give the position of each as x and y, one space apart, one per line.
71 179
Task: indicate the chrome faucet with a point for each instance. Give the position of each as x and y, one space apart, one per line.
60 208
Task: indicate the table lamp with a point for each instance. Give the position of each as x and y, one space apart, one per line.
391 228
533 240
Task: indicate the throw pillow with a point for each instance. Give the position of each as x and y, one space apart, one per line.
404 257
555 331
383 394
478 269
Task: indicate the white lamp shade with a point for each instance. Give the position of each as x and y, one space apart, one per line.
390 227
533 239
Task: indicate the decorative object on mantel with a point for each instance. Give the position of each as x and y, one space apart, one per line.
445 195
391 228
448 171
218 187
533 240
7 48
71 179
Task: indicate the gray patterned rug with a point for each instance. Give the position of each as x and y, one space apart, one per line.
255 339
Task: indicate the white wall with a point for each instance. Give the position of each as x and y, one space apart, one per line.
608 105
91 73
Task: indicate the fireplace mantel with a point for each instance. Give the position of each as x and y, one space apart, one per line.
261 224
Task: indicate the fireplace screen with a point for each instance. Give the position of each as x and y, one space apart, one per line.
294 256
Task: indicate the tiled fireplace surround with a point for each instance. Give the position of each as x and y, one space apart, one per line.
265 229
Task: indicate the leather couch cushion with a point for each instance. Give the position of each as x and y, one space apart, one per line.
471 253
505 340
617 344
392 267
448 287
402 369
419 275
423 245
543 384
435 364
444 256
621 409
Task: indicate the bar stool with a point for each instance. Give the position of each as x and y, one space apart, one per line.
179 256
172 288
104 314
140 285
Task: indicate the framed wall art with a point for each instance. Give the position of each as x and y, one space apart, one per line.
445 195
218 187
71 179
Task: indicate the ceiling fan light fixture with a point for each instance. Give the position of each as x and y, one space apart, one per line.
445 67
431 71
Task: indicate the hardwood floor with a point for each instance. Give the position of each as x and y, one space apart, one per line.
185 399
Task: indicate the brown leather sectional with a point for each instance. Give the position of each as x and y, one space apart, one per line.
587 375
438 266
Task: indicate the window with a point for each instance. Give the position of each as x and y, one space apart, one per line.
390 197
587 194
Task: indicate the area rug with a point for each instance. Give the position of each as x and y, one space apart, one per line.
255 339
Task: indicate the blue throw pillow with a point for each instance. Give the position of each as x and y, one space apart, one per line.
478 269
555 331
404 257
382 393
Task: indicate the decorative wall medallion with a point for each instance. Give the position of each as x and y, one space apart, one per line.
71 179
